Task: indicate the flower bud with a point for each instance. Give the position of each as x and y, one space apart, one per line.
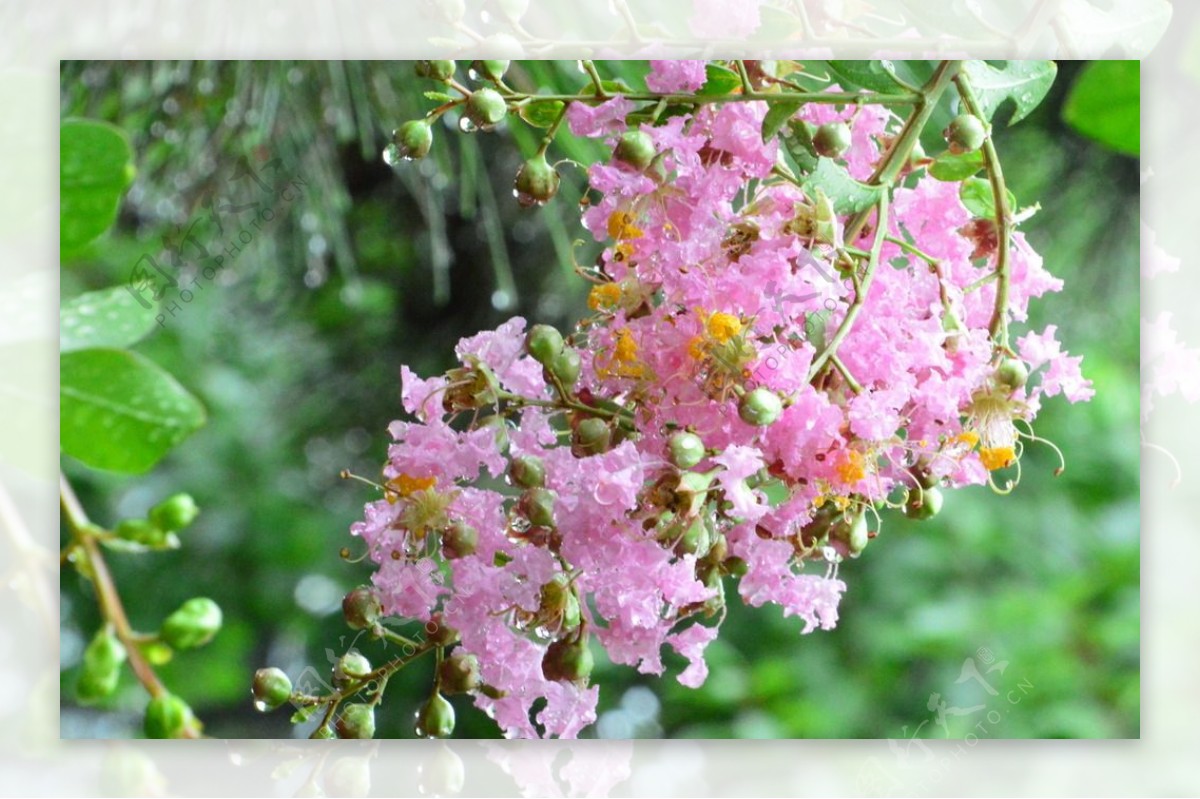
965 133
1012 373
413 139
492 70
636 149
923 504
193 624
435 719
537 505
141 531
362 608
101 669
270 689
685 449
175 513
168 716
357 720
566 367
527 471
590 437
459 540
852 533
439 632
832 139
568 660
736 566
459 673
436 70
536 183
485 108
544 343
760 407
351 666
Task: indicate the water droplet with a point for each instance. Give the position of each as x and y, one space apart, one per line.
261 706
472 74
391 155
503 300
466 125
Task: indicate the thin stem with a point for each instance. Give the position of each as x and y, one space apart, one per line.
834 98
860 296
998 327
912 249
553 130
590 68
855 386
747 86
107 597
379 675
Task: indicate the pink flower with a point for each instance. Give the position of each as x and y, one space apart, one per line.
598 120
691 643
675 76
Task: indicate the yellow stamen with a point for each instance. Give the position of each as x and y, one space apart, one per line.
404 486
851 470
994 458
621 226
605 296
723 326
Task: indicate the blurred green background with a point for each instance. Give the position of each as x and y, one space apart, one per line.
296 351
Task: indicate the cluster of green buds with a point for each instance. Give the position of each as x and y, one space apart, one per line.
159 528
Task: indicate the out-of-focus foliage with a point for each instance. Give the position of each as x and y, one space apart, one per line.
295 350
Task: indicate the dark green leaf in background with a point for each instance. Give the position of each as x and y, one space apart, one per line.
1025 83
1105 105
96 166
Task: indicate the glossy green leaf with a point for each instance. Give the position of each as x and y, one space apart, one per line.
720 80
872 75
541 113
1025 83
777 117
107 318
797 143
120 411
847 194
976 195
952 167
95 169
1105 104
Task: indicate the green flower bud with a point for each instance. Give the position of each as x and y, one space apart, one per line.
536 183
357 720
492 70
537 505
544 343
832 139
736 566
101 669
566 367
168 716
459 673
657 171
485 108
923 504
175 513
760 407
141 531
351 666
437 70
362 608
435 719
459 540
270 689
413 139
965 133
696 538
439 632
636 149
853 533
1012 373
685 449
193 624
527 471
568 660
590 437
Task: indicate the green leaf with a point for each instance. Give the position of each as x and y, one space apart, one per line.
107 318
541 113
777 116
1025 83
720 80
121 412
95 169
847 194
871 75
951 167
797 143
1104 104
816 326
976 195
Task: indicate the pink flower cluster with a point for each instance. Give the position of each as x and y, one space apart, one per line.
716 306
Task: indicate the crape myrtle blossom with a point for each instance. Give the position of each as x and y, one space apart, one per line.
697 432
